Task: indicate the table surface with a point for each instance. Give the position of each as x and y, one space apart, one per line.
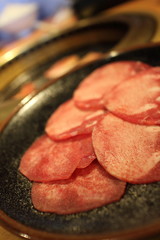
147 6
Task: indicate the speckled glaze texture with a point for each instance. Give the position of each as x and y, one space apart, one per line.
138 207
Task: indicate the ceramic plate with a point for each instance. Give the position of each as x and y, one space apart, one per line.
136 214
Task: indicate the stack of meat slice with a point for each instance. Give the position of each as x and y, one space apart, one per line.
94 143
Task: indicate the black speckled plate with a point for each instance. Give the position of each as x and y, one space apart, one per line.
136 214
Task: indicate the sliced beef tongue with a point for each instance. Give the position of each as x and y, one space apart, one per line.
87 189
137 100
62 66
89 94
47 160
68 121
86 160
128 151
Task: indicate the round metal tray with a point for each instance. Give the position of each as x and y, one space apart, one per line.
117 32
109 35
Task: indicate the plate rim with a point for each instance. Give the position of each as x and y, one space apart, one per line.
27 232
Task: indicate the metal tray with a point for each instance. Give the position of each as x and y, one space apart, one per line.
28 63
108 34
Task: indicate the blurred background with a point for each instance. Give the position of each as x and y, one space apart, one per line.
19 18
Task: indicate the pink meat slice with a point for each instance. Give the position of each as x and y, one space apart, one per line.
86 161
91 56
137 100
68 121
87 188
89 94
62 66
128 151
47 160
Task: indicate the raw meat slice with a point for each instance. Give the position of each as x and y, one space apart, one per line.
47 160
87 188
68 121
86 161
62 66
137 100
89 94
128 151
25 90
91 56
